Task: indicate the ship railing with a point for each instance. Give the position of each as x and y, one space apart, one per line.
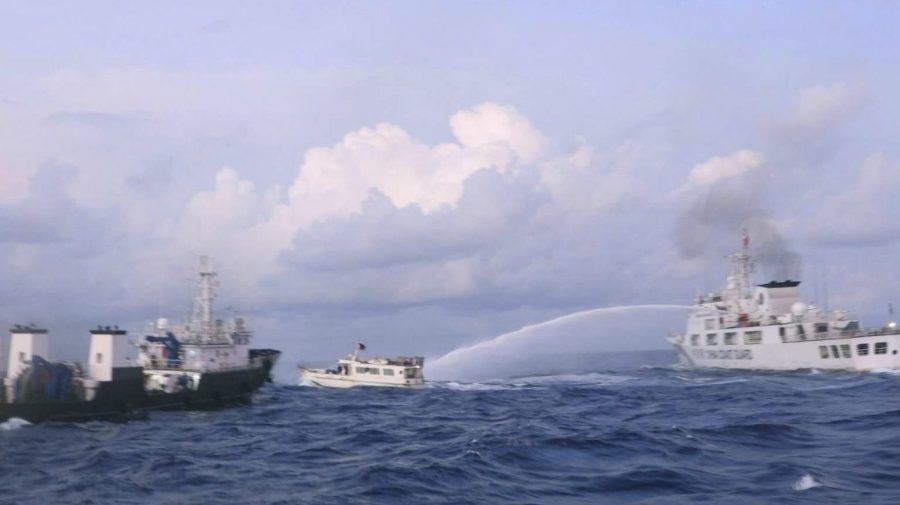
180 367
839 334
882 331
819 335
163 365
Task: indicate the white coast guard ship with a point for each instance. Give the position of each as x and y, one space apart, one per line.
357 371
768 327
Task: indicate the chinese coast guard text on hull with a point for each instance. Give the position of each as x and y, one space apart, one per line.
768 327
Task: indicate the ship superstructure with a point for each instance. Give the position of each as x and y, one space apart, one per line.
174 356
768 326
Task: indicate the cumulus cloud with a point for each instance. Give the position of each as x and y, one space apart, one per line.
724 167
46 211
335 180
824 106
612 185
861 215
378 187
381 218
493 125
383 234
811 134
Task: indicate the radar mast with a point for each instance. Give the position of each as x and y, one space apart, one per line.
742 268
203 303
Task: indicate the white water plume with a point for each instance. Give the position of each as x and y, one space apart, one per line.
549 347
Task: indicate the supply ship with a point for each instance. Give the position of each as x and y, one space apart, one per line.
205 363
768 327
354 370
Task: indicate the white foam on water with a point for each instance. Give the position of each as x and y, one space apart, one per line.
13 423
594 378
806 482
674 366
886 371
307 383
608 329
712 381
587 379
473 386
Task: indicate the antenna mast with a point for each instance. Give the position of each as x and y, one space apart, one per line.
203 302
743 267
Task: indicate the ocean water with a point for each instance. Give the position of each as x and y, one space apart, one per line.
635 431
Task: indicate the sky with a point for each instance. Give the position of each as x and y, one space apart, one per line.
422 176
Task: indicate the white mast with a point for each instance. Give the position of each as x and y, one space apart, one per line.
203 303
743 268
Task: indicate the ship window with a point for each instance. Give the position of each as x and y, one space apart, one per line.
821 327
389 371
695 339
731 338
375 371
781 331
834 352
845 350
823 351
99 358
862 349
881 348
361 369
711 339
710 324
752 337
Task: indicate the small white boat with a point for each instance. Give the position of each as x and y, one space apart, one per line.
353 371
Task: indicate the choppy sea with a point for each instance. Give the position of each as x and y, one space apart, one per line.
636 433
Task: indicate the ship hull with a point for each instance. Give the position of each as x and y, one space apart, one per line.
882 352
327 380
126 396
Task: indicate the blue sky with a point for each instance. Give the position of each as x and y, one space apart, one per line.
457 169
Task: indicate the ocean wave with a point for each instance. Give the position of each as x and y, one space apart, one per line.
13 423
757 429
475 386
307 383
594 378
637 436
586 379
885 371
713 381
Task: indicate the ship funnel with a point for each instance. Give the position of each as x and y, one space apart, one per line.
108 349
25 343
